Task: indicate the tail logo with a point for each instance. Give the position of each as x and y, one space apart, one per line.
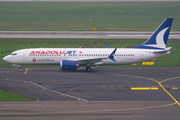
159 39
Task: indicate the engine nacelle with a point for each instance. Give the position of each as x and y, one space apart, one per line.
68 65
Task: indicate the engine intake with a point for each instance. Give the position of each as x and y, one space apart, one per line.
68 65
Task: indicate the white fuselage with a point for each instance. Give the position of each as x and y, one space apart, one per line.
53 56
72 58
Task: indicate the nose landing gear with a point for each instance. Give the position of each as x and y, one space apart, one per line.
20 69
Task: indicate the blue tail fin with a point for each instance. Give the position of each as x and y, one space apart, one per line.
159 38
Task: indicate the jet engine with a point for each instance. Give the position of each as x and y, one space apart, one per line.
68 65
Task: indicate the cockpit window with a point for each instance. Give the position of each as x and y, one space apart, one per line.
13 53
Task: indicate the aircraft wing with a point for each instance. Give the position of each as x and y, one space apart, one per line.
93 61
96 61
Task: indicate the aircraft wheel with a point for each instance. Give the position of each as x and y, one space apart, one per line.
88 69
20 69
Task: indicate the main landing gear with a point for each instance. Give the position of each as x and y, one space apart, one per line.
88 69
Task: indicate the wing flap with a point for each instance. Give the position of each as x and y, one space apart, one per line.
91 61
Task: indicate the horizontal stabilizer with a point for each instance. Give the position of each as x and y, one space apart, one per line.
168 48
163 51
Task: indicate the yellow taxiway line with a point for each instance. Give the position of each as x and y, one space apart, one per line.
169 94
159 82
26 71
144 88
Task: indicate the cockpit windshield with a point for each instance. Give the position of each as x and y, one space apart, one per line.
13 53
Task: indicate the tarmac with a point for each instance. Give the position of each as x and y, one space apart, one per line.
105 93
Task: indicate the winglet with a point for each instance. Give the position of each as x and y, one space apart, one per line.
107 45
112 55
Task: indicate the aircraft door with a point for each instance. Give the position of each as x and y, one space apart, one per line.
24 55
142 55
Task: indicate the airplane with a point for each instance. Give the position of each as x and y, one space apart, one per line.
73 58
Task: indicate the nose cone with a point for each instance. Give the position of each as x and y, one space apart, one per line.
6 58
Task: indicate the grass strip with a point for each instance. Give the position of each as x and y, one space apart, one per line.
85 16
6 96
